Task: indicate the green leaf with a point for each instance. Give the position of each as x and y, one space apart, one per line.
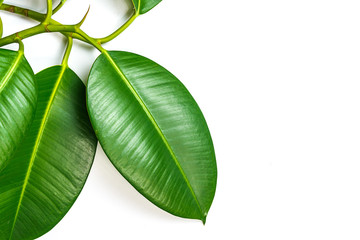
45 177
143 6
17 101
153 132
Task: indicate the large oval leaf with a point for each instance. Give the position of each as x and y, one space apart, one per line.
17 101
48 171
154 133
143 6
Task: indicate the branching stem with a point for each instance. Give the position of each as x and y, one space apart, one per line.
49 12
70 30
49 21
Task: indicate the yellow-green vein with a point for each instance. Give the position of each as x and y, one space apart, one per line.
37 143
138 10
11 71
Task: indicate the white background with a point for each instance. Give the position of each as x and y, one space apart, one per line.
279 84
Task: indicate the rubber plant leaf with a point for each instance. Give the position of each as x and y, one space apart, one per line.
49 170
143 6
17 101
153 132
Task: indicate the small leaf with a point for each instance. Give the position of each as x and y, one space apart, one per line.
48 171
143 6
17 101
153 132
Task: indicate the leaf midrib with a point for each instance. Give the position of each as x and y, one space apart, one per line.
37 143
11 71
139 6
137 10
155 124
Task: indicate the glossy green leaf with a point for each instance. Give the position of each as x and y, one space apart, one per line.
17 101
143 6
48 171
153 132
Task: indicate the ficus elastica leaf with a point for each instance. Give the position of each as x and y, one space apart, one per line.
48 171
153 132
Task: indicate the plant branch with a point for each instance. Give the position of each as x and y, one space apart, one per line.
75 29
123 27
69 30
59 6
90 40
49 12
67 52
41 17
23 34
23 11
35 16
119 30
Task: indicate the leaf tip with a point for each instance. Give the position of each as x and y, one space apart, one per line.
203 219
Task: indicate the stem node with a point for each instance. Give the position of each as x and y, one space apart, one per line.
46 27
17 37
47 24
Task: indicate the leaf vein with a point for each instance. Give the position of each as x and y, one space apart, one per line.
11 71
36 146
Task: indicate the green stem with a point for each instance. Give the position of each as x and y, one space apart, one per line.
41 28
34 15
23 34
41 17
48 12
123 27
23 11
21 45
70 30
119 30
59 6
67 52
90 40
75 29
